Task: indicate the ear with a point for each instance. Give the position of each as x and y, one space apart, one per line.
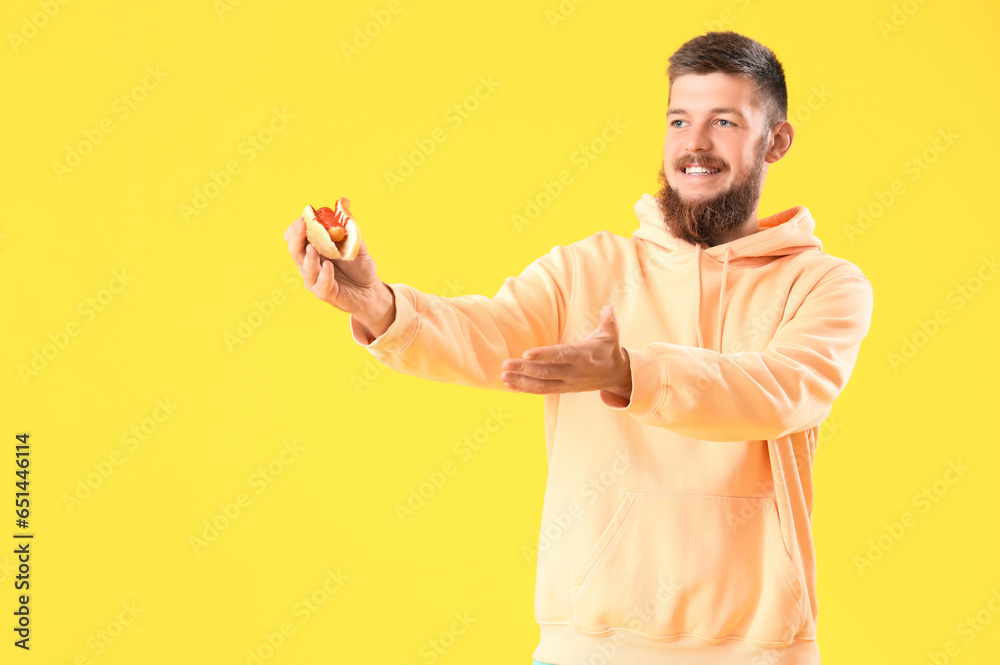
781 140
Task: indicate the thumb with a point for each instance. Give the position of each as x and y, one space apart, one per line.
608 324
608 318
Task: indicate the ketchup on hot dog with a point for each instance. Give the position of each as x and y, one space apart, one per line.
335 223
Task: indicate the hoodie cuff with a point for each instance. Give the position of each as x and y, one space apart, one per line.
400 332
649 383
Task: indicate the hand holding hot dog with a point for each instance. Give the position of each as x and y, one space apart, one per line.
349 284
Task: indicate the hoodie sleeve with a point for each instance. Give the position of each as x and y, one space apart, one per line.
464 339
788 387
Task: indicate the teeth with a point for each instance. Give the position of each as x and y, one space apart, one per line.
699 169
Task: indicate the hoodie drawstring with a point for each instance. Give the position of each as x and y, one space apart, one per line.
722 294
697 311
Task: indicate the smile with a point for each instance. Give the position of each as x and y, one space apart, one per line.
700 171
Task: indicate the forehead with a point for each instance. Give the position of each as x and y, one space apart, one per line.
699 93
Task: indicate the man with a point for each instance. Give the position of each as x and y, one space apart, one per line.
688 369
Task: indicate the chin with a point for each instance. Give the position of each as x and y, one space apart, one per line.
694 197
696 193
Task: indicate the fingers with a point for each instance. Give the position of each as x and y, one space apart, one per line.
288 231
559 353
539 370
318 273
534 376
310 266
295 236
541 366
528 384
326 286
319 276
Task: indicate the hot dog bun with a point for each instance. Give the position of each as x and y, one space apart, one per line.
319 237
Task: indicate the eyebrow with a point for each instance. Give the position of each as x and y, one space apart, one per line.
717 109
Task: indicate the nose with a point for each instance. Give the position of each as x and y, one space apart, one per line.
696 139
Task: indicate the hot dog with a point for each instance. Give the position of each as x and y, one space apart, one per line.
333 232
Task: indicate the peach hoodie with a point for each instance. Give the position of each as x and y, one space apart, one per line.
677 528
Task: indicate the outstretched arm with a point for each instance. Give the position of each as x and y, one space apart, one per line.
465 339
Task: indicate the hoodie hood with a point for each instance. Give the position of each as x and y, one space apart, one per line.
781 234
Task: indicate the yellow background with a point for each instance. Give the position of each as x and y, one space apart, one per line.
866 96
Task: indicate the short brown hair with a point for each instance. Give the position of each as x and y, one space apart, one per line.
737 55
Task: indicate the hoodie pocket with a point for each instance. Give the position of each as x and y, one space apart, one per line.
668 565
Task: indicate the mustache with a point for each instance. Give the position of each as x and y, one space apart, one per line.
707 162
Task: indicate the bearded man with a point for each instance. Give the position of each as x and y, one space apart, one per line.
687 369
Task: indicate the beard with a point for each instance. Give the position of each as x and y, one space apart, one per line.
705 220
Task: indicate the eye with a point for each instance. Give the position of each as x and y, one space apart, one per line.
673 123
730 123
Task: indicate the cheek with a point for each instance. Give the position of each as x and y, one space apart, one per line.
670 154
741 159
